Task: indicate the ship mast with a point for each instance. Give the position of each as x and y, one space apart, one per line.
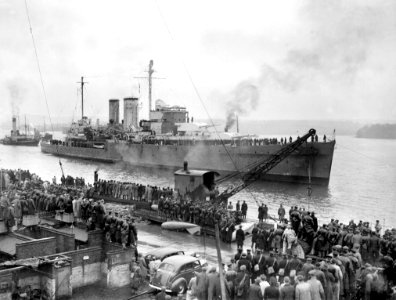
82 96
150 79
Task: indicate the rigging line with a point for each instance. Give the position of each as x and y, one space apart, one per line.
369 157
200 99
38 64
41 76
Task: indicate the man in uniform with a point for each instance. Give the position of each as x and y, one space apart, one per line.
281 212
240 237
244 209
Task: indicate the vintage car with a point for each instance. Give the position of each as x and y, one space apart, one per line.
175 272
161 254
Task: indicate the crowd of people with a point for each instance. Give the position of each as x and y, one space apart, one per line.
131 191
258 276
71 181
24 193
300 258
335 261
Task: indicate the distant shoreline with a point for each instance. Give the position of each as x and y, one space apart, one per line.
377 131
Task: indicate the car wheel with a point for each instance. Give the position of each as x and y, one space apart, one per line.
181 288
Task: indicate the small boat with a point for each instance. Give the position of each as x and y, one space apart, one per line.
178 225
98 146
247 227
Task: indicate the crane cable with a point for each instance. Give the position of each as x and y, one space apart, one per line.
202 102
41 78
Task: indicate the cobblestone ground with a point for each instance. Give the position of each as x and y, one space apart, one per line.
99 292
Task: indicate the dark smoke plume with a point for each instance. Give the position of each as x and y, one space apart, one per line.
243 99
16 96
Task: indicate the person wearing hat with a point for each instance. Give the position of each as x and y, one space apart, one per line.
282 266
242 284
294 266
373 247
243 261
271 264
249 255
307 267
281 213
202 284
214 290
240 237
357 237
315 287
238 255
258 264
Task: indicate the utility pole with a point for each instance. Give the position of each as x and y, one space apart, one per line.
222 282
82 95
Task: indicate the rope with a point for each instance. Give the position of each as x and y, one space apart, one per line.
200 99
41 76
366 156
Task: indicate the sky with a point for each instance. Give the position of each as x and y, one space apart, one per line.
263 60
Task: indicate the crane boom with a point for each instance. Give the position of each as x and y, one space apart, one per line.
266 165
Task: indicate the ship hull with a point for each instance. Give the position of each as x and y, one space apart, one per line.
310 163
33 143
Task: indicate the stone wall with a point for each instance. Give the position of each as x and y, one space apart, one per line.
64 241
118 267
86 266
41 247
95 238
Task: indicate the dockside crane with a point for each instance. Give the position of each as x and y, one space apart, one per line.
264 166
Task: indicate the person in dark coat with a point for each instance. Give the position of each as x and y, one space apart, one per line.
244 209
287 291
238 206
214 290
240 237
258 264
255 290
261 212
238 255
242 284
272 292
265 212
254 236
243 261
202 285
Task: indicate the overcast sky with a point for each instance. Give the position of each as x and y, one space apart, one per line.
266 59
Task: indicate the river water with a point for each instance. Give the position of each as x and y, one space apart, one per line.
362 186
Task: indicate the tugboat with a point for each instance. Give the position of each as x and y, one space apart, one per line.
18 139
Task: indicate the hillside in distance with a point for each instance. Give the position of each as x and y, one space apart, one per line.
377 131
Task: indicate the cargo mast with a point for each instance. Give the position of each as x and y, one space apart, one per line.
82 95
150 73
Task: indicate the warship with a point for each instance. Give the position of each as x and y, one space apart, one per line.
169 137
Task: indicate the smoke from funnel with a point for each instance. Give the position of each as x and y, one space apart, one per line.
16 96
243 100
